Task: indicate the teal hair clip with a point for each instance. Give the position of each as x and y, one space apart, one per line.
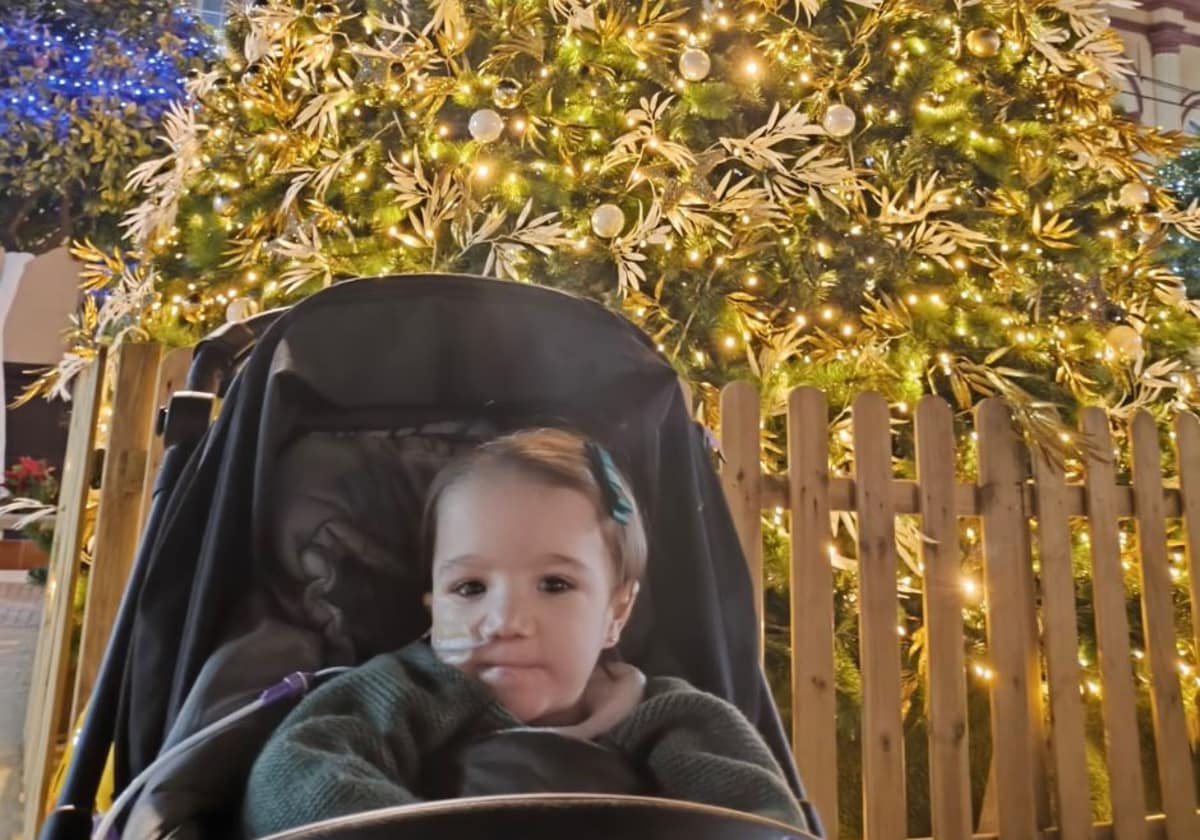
619 506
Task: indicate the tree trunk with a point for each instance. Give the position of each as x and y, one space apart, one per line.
10 233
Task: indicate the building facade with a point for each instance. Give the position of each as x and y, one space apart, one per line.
1162 37
213 11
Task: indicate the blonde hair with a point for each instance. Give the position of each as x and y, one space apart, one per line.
557 458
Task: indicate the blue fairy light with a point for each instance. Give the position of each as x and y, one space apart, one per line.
78 74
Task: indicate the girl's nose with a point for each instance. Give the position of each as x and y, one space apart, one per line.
508 615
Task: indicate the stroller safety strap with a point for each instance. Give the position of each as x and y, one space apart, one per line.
292 686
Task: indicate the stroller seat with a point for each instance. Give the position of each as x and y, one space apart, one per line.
289 541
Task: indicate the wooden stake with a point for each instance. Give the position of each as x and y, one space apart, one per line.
117 525
47 714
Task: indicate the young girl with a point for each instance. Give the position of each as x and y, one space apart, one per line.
536 549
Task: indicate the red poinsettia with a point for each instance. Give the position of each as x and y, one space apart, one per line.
31 478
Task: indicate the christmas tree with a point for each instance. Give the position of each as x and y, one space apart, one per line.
83 86
910 196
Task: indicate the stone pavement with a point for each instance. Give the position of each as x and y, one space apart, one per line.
20 615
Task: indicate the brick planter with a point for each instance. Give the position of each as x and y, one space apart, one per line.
21 554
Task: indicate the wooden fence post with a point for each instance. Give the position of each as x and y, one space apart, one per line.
1158 622
1061 640
47 713
885 814
950 771
1187 447
1112 631
741 478
117 522
172 375
814 683
1009 590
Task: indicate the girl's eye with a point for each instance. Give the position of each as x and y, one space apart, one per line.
468 589
555 585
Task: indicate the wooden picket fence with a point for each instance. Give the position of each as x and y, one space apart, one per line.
1039 776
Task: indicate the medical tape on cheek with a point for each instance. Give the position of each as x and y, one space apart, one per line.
456 648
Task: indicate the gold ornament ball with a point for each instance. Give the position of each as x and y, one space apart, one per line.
326 16
1133 195
240 309
839 120
1124 341
824 249
507 94
1147 223
1093 79
694 64
607 221
983 42
485 125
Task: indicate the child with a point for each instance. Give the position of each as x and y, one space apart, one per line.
536 548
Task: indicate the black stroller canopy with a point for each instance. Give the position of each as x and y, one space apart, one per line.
289 542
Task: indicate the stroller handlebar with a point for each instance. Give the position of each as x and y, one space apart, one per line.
217 354
550 816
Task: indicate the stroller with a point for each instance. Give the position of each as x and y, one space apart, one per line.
283 538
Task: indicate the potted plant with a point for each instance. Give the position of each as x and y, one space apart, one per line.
30 495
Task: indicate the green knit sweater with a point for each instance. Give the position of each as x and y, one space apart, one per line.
358 744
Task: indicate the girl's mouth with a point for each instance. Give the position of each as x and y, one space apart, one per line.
504 673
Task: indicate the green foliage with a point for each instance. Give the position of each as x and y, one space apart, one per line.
1181 176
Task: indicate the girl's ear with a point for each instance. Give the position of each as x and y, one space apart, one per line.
427 600
622 608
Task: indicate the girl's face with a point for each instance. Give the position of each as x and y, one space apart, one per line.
524 597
